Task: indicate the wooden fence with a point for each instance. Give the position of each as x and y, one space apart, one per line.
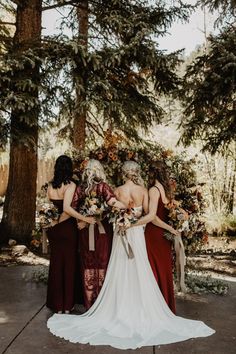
45 173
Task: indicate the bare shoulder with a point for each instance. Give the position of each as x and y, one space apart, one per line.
49 187
118 189
70 186
49 190
143 189
154 192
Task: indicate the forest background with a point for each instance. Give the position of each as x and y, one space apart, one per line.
113 65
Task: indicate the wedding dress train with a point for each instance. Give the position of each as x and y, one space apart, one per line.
130 311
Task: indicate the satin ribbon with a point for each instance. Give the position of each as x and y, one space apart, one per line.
180 262
127 247
101 230
126 244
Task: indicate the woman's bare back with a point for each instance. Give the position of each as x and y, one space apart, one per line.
58 194
132 194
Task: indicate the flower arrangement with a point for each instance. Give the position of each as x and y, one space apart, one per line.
122 219
36 241
47 215
94 205
186 188
178 219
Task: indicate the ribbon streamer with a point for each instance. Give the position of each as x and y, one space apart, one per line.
101 230
126 245
180 262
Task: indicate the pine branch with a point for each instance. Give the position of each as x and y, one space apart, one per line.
97 121
94 127
66 3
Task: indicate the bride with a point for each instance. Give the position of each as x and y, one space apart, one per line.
130 311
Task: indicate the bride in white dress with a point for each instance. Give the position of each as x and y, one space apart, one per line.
130 311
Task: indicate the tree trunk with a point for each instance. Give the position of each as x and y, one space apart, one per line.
80 114
231 201
20 202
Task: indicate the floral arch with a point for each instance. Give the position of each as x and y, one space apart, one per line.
113 153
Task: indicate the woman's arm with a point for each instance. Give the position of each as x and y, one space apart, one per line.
154 196
158 222
145 201
111 197
116 203
67 208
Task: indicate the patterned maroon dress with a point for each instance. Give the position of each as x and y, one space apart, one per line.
159 251
93 264
63 239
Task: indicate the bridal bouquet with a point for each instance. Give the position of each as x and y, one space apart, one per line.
178 219
47 215
94 205
123 219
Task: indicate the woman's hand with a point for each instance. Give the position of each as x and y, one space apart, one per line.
90 220
175 232
54 222
81 224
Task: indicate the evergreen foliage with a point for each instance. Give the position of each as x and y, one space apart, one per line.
225 8
209 89
119 76
125 71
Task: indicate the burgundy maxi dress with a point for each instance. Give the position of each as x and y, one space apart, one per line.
93 264
160 256
63 239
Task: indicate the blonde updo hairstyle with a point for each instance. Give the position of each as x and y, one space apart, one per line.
93 174
132 171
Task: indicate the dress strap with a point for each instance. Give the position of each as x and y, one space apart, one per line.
160 193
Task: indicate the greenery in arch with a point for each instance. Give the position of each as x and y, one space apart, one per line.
112 155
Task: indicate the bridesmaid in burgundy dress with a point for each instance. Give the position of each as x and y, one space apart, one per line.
94 260
63 239
159 249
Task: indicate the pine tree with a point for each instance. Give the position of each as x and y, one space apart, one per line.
113 78
112 66
209 89
19 84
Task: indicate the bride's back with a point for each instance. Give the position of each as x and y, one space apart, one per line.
131 193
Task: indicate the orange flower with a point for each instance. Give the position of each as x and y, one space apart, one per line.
110 154
35 243
114 158
167 153
205 238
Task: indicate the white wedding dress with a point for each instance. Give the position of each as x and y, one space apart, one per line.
130 311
